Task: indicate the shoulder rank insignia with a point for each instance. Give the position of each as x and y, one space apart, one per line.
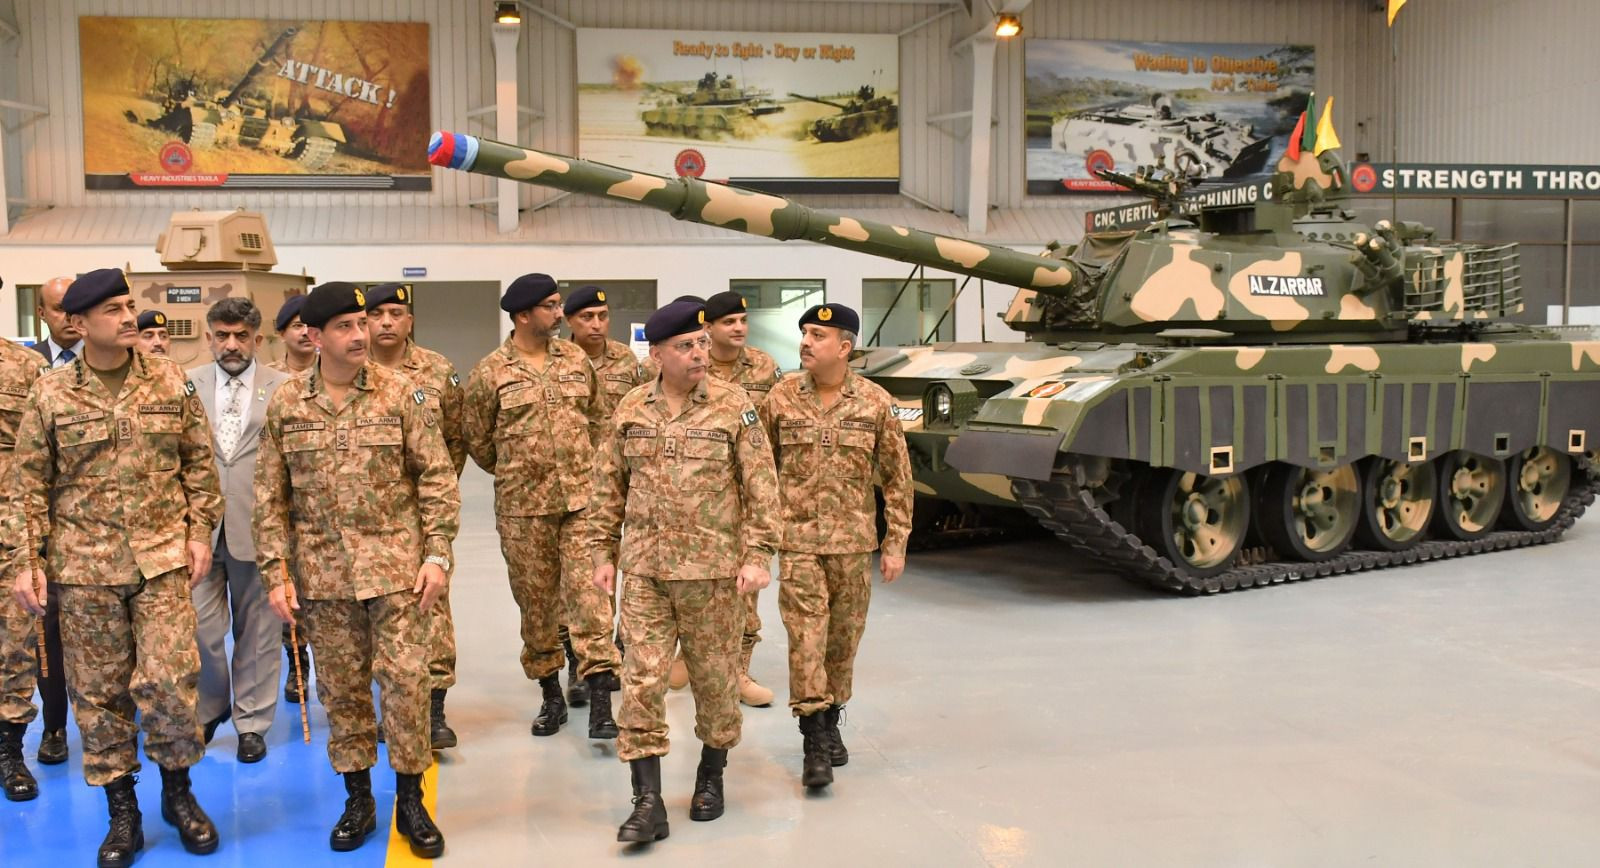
419 396
748 418
454 380
188 387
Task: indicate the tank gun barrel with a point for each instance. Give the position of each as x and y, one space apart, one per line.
255 68
814 99
753 213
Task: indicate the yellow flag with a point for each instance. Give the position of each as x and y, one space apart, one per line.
1327 139
1394 9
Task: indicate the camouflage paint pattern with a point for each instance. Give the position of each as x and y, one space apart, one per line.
703 617
530 428
18 661
1140 135
129 647
354 642
358 494
618 371
539 551
19 367
823 600
123 483
697 491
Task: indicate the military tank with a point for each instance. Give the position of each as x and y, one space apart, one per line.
1152 134
717 107
1260 393
864 113
236 118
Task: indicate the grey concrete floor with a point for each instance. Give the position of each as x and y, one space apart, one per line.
1014 707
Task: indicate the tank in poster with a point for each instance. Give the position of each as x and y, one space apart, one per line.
1207 111
189 102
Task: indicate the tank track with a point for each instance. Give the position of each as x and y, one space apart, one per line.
1068 509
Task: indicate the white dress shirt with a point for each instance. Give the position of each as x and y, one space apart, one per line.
55 351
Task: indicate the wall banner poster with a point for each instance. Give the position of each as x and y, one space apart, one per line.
1213 112
778 111
249 103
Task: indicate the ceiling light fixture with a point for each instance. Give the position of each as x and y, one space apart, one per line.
1007 26
507 13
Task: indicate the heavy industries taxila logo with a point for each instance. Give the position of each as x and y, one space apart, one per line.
1269 284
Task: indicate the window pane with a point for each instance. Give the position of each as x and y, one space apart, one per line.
775 307
630 301
27 319
1513 220
914 315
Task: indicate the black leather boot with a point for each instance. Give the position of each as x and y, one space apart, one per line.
439 732
291 692
707 801
126 835
601 724
412 819
360 817
553 712
577 688
648 822
817 767
14 775
53 747
836 750
179 808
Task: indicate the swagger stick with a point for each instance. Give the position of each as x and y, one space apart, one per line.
299 677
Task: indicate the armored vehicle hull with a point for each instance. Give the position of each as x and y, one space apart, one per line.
1196 146
716 108
1272 392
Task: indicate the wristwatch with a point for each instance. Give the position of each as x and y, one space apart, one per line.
440 560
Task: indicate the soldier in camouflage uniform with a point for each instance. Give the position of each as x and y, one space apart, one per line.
529 408
390 322
115 459
153 337
732 361
618 371
354 482
19 367
687 468
299 356
832 432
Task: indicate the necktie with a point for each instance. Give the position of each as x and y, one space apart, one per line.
232 422
65 358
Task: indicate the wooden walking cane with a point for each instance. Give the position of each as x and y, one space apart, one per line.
299 677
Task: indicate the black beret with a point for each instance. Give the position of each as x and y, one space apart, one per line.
836 315
584 297
694 298
290 310
152 319
330 300
527 291
93 288
387 293
677 318
724 304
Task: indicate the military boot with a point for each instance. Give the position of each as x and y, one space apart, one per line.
553 712
837 752
53 747
751 692
577 688
601 724
411 817
126 835
291 690
440 734
648 822
14 775
360 817
179 808
707 801
817 767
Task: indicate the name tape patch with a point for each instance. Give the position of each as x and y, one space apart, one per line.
1268 284
81 417
705 434
638 432
377 420
167 409
291 427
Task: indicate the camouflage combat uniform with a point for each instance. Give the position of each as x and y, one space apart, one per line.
530 429
619 372
437 377
698 494
756 373
123 483
289 638
826 462
357 496
19 367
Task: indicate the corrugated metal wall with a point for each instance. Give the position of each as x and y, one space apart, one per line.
1481 81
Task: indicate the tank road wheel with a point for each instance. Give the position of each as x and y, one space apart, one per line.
1538 480
1471 492
1396 503
1309 515
314 152
201 135
1197 522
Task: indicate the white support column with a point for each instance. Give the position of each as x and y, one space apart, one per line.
5 206
979 135
506 37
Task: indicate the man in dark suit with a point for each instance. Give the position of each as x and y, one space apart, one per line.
235 391
61 346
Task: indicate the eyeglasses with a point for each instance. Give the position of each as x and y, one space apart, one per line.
701 343
553 304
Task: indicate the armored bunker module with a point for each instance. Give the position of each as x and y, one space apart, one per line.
1273 391
210 256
